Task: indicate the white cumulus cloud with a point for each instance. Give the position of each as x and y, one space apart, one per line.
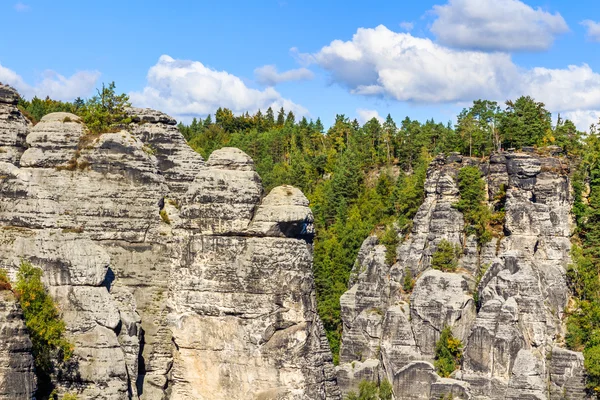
496 25
380 62
593 29
185 88
269 76
573 88
398 65
53 84
365 115
583 119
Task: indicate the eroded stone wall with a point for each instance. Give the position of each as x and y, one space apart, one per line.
513 338
176 277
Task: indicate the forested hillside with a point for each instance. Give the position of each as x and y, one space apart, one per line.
369 179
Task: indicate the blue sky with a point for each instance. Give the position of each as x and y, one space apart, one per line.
424 59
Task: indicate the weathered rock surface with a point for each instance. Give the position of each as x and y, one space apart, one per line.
175 278
13 126
17 377
53 141
512 337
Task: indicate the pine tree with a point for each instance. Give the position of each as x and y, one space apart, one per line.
269 118
281 117
290 119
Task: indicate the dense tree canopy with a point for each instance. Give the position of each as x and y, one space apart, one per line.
584 320
101 113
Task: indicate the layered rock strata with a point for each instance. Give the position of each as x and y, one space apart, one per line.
506 302
17 377
175 277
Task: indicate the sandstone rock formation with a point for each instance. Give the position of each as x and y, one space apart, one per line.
175 277
13 126
513 335
181 279
17 377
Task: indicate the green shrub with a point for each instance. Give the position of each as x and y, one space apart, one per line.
385 390
4 280
105 112
448 353
408 283
390 240
368 390
473 204
164 216
482 270
149 149
42 318
446 256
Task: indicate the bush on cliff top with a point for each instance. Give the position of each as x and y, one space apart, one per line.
104 112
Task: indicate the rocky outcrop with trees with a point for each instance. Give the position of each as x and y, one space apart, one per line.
141 258
504 294
174 277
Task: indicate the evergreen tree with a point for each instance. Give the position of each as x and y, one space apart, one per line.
448 353
269 118
389 133
281 117
525 122
290 119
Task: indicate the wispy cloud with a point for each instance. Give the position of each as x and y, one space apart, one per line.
22 7
269 76
593 29
407 26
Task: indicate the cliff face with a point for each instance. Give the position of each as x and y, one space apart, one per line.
176 278
17 377
513 337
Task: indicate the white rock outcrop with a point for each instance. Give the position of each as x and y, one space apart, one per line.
512 337
175 278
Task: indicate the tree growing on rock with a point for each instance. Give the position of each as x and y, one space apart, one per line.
446 256
525 122
369 390
448 353
42 319
473 204
105 111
